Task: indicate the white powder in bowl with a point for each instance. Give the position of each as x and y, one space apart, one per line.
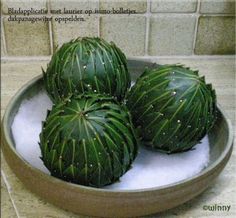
150 169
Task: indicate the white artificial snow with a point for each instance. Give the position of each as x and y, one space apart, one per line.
27 126
150 169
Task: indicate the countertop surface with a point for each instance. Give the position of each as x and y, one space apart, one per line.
17 201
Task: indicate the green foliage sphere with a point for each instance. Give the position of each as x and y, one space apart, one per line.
87 65
89 140
173 107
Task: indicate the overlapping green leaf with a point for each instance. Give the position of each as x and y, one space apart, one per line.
173 106
88 139
87 65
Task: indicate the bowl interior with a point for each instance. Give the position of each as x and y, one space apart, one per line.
218 136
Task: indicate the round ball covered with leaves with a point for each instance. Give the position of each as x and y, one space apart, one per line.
88 140
173 106
87 65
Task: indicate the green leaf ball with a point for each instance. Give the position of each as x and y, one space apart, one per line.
173 107
87 65
89 140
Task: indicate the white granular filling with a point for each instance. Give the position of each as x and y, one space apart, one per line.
150 168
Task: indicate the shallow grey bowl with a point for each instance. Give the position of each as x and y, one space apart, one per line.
109 203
